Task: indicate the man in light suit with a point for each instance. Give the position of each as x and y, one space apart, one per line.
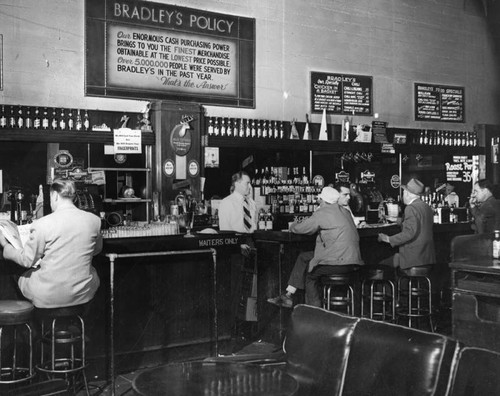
415 241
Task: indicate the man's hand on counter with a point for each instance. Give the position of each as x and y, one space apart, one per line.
245 249
383 238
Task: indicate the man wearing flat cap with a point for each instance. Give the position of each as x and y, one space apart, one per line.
337 246
415 241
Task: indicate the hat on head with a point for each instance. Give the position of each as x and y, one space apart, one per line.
414 186
329 195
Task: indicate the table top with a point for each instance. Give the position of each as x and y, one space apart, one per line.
214 379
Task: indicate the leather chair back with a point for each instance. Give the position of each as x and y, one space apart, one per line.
477 373
387 359
317 348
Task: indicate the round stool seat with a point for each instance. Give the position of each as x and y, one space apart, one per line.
61 312
424 270
13 312
371 272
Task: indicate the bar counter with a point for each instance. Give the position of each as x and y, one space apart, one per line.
160 292
278 251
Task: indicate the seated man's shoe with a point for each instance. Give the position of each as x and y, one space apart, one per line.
284 301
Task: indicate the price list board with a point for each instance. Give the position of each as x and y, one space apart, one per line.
439 103
341 93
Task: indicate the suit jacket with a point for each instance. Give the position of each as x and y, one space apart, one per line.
486 216
415 241
59 256
337 242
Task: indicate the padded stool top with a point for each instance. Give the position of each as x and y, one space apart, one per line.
424 270
15 312
60 312
350 273
378 272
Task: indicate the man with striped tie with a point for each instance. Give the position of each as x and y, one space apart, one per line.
238 212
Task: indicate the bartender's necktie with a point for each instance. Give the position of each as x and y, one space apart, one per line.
247 217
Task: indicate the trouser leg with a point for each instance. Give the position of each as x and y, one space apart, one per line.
299 271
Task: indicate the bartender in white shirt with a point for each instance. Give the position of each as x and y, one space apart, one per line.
238 212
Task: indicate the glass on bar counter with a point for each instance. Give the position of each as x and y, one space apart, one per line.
145 230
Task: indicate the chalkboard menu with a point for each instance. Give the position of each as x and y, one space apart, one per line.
142 49
341 93
439 103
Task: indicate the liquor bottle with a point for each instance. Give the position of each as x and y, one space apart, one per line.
264 129
79 124
86 121
216 127
253 131
71 121
20 117
242 128
276 131
259 129
45 119
496 245
54 122
248 129
12 118
223 127
210 126
28 121
62 121
229 128
3 118
262 220
37 122
269 220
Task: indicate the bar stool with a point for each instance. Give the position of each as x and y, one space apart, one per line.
338 289
415 295
15 316
62 351
378 291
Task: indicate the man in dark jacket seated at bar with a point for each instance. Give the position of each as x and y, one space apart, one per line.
415 241
484 207
336 250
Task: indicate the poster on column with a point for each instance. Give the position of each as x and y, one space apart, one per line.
150 50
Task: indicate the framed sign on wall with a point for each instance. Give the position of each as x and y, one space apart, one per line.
147 50
439 103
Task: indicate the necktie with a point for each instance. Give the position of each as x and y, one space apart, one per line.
247 217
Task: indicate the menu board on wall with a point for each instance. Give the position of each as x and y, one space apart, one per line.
341 93
439 103
141 49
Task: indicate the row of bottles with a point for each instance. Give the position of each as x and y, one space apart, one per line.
446 138
43 118
443 212
248 128
286 190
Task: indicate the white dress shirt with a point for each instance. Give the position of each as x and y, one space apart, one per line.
231 213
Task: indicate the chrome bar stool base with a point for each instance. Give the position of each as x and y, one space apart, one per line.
378 291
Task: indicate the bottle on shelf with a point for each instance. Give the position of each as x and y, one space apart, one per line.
28 121
210 126
12 118
45 119
259 129
223 127
54 122
20 117
229 128
79 124
262 220
496 245
71 121
37 122
248 129
86 121
3 118
269 220
216 127
264 129
62 121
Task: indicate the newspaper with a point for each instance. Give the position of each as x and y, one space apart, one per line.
15 235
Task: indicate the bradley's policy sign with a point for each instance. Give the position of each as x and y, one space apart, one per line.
152 50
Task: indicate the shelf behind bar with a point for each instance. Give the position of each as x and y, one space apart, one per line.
51 136
334 146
